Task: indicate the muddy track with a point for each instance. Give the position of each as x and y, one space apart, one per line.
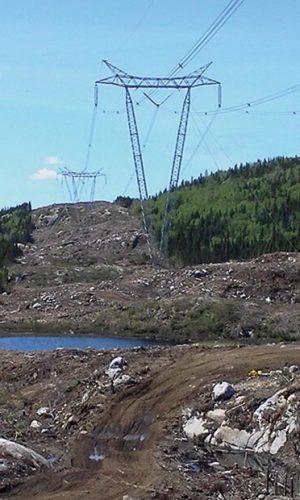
138 422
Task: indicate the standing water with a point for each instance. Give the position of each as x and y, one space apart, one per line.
49 343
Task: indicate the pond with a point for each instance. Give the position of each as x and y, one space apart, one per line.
49 343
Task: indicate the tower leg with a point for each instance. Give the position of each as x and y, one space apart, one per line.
138 159
177 160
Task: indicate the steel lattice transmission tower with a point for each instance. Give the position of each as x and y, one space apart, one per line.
75 182
122 79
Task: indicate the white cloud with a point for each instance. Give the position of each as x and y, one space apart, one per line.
43 174
53 160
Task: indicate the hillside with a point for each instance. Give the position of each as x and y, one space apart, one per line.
239 213
87 270
73 428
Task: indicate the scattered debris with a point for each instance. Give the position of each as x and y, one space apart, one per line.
138 428
255 373
111 284
124 379
111 287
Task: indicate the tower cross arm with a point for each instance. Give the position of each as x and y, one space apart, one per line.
139 82
122 79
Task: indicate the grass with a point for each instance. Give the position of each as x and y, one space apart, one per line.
186 319
65 274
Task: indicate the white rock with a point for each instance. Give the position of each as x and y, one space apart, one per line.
44 410
195 427
20 452
35 424
279 441
222 391
254 439
273 421
117 362
217 415
293 369
274 402
232 438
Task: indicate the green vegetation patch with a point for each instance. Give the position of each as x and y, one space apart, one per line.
179 320
236 214
15 229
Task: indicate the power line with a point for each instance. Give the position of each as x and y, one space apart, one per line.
224 152
257 102
240 108
212 30
269 113
136 27
92 129
202 138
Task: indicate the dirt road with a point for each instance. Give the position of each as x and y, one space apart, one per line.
109 442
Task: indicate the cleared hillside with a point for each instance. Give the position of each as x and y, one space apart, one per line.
87 270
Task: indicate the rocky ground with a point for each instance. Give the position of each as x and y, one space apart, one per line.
71 428
88 270
129 437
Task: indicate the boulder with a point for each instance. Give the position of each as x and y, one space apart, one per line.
195 427
222 391
118 362
20 452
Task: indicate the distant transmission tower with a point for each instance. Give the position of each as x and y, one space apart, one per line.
75 182
122 79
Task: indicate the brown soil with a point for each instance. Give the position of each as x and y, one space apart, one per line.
136 427
88 270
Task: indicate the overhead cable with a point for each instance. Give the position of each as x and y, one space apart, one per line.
213 29
257 102
92 129
202 138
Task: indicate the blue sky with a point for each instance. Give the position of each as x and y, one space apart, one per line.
50 57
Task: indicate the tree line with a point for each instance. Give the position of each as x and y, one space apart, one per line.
15 228
239 213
